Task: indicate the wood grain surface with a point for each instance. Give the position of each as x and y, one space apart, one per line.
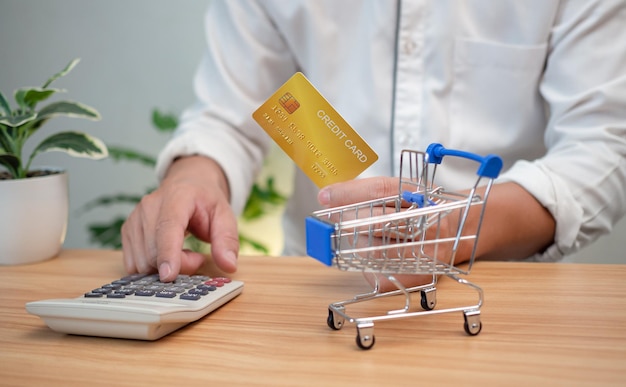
544 324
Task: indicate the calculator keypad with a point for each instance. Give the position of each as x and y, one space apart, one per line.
186 287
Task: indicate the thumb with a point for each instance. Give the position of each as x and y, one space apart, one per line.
355 191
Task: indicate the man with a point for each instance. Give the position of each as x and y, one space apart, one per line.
540 83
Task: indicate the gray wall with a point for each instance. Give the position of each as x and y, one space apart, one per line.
136 55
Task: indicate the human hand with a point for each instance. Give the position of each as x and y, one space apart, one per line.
356 191
193 197
514 225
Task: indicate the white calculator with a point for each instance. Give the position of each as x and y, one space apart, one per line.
137 306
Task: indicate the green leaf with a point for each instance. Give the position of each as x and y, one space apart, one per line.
260 199
18 95
32 96
19 120
270 194
4 105
194 244
258 246
61 73
112 199
119 154
164 122
73 143
69 109
10 162
254 208
63 108
28 97
6 140
107 234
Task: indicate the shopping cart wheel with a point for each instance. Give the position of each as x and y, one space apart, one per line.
472 322
334 321
365 335
429 298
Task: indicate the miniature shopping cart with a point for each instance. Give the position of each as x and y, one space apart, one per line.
418 231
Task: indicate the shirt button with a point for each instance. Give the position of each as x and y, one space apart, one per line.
409 46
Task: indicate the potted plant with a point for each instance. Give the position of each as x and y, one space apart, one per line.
34 200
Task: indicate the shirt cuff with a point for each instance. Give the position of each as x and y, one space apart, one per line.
203 143
556 197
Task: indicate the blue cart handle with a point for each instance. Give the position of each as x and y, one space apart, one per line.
490 165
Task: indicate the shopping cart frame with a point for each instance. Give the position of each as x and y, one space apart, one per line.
391 239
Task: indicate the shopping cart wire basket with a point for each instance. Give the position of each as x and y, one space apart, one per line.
417 231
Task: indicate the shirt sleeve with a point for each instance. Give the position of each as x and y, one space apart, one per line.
245 60
582 177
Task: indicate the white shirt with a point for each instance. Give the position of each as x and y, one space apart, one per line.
541 83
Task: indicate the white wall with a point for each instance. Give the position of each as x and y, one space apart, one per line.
136 55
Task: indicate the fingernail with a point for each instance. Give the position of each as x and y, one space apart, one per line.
164 270
323 197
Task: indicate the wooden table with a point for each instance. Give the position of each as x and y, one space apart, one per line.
543 324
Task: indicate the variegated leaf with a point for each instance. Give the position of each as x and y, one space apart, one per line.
4 105
15 121
69 109
61 73
30 97
74 144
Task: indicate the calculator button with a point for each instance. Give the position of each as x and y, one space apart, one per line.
192 297
177 289
154 288
189 287
210 288
202 292
133 277
165 294
132 287
102 291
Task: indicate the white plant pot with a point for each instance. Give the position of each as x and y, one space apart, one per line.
33 218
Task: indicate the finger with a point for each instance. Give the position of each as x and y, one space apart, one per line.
127 246
191 261
169 237
144 250
133 242
359 190
224 239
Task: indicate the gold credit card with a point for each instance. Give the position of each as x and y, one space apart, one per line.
313 134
